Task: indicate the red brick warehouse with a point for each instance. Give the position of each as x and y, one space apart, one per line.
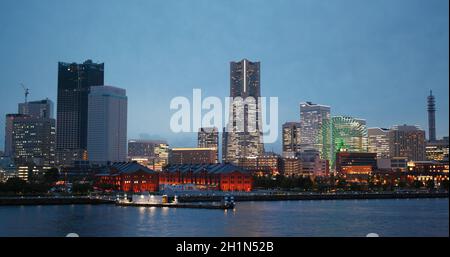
129 177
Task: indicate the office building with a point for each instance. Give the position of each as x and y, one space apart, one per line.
399 164
268 163
9 125
37 109
7 168
437 150
407 141
315 128
107 125
192 156
356 166
312 164
31 140
291 138
74 84
153 154
292 167
378 139
208 138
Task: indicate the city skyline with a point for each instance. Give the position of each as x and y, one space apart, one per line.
242 120
295 72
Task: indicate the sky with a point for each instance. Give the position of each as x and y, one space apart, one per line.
375 60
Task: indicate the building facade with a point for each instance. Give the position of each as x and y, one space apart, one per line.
437 150
223 177
315 128
74 84
179 156
291 138
407 141
268 163
9 125
378 139
31 139
312 164
153 154
292 167
42 108
209 138
244 127
356 166
107 125
128 177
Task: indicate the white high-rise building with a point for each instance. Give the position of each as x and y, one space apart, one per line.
315 128
379 142
107 125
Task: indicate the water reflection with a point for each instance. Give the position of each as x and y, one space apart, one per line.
291 218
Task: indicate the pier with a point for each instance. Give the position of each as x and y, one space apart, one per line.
180 205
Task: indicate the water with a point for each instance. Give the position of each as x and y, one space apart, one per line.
407 217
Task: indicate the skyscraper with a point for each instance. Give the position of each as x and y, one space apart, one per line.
208 138
379 142
407 141
32 139
33 126
348 134
431 118
9 125
244 128
74 83
315 128
291 138
41 108
107 125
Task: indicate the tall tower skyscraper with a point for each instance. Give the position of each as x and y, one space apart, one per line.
107 125
315 122
431 118
244 128
74 83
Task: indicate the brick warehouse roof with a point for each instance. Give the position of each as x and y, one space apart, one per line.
117 168
218 168
130 167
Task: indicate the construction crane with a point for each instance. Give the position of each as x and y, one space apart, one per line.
27 92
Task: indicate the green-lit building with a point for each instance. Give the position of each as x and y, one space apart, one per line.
348 134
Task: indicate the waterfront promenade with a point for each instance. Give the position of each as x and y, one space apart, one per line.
218 196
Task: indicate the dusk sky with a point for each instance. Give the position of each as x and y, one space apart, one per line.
375 60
